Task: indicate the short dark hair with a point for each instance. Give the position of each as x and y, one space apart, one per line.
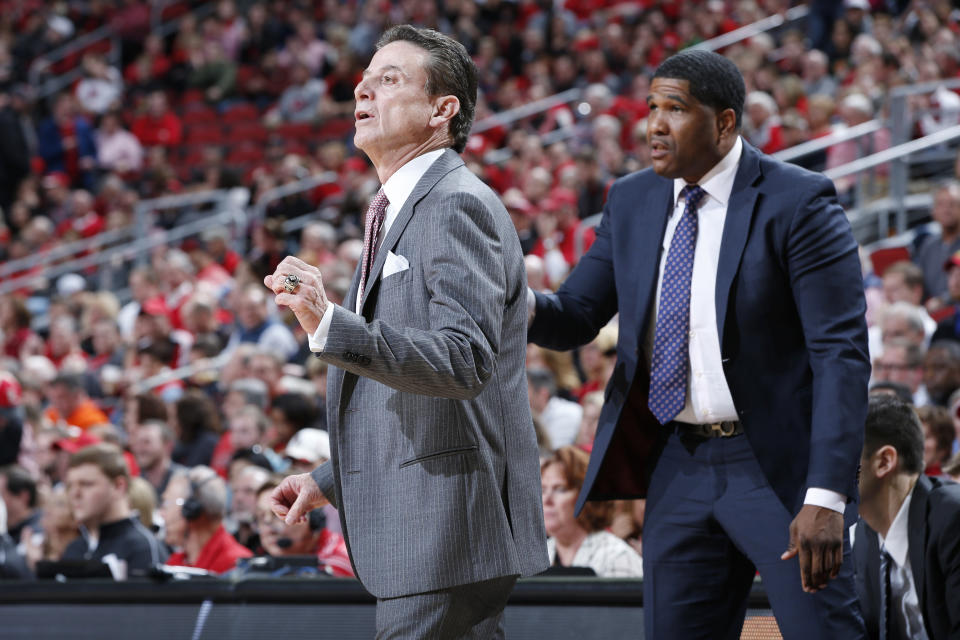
450 71
299 410
20 480
891 388
107 457
150 407
891 421
714 80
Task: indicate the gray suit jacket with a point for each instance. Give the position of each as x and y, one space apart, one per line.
434 458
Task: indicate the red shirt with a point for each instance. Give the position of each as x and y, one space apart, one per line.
219 555
332 552
165 130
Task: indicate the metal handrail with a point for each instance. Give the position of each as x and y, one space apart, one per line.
181 373
64 250
750 30
893 153
926 87
526 110
835 137
48 59
259 209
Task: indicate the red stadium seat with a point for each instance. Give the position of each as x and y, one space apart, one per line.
208 133
241 113
336 129
248 132
199 115
883 258
296 131
245 155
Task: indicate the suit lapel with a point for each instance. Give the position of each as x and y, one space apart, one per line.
917 533
736 228
647 247
446 163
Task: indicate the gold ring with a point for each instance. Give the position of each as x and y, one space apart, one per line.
290 283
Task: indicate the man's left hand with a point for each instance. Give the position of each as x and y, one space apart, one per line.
309 300
816 535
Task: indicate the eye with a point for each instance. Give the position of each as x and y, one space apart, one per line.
388 79
676 108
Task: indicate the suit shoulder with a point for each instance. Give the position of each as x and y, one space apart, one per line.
782 176
460 182
637 180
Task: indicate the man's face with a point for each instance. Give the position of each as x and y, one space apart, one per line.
63 399
946 209
171 508
892 366
941 374
898 327
896 289
393 110
92 493
272 530
681 131
147 446
244 432
244 505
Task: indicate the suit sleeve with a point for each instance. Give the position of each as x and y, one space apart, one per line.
827 288
586 300
465 278
945 524
323 476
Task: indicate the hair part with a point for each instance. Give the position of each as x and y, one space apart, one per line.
450 71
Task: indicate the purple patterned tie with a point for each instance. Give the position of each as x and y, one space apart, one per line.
668 368
371 231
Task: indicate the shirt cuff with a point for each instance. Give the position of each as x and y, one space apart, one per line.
826 499
318 340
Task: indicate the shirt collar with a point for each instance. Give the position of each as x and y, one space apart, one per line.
401 184
897 541
718 182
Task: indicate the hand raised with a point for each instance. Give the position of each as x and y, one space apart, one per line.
308 300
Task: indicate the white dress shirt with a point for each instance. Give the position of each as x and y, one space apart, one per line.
708 395
397 189
904 603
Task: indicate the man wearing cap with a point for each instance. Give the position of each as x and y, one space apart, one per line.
737 403
434 465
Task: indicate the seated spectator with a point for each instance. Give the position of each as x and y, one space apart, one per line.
941 371
597 359
18 490
560 418
158 125
65 142
59 529
255 324
244 486
118 149
194 506
300 101
15 324
152 444
592 403
197 426
580 541
908 533
935 251
101 88
901 320
70 405
761 126
856 109
938 437
307 450
211 71
289 413
97 483
312 537
12 564
143 503
901 361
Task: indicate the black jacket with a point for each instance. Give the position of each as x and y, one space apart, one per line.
127 539
934 540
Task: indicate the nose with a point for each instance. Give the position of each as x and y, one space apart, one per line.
363 90
657 123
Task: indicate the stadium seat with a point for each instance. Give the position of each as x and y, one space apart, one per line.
883 258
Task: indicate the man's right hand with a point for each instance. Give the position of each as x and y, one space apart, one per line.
296 497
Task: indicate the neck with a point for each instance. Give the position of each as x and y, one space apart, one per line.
198 536
154 474
880 512
947 236
568 542
389 161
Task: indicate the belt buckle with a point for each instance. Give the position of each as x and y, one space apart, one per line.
722 429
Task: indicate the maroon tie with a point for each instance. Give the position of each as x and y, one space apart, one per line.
371 231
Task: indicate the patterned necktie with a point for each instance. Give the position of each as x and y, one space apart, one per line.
371 231
885 561
668 368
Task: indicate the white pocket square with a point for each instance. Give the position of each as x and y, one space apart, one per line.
394 264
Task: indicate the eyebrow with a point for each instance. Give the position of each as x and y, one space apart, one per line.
676 97
389 67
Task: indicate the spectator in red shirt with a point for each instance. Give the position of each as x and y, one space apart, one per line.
159 125
557 228
194 505
15 322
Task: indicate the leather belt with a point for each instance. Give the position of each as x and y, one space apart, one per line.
726 429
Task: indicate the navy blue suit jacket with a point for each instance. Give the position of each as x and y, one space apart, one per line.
790 315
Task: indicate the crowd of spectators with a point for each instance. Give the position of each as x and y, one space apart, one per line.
250 95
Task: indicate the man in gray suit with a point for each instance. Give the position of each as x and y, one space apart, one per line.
434 463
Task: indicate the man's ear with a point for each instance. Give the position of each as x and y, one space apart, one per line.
445 108
726 124
885 461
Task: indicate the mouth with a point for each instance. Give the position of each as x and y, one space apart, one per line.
360 116
659 149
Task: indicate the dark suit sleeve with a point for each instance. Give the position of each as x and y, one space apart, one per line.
827 287
587 299
465 277
944 528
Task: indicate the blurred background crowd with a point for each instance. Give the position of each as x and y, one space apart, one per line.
159 158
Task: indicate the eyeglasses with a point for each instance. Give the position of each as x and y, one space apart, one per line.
889 366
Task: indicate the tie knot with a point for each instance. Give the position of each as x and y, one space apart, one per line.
692 193
379 203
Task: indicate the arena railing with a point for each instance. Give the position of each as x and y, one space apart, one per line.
822 144
748 31
258 211
181 373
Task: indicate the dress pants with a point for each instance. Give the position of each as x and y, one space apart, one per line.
712 521
473 611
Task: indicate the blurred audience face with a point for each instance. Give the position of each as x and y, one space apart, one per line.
148 447
946 209
244 432
244 489
941 373
59 526
171 508
896 289
892 366
93 494
559 501
279 538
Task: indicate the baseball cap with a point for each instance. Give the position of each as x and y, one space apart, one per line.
309 445
72 445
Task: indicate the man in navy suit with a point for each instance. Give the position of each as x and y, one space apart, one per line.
906 549
738 400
